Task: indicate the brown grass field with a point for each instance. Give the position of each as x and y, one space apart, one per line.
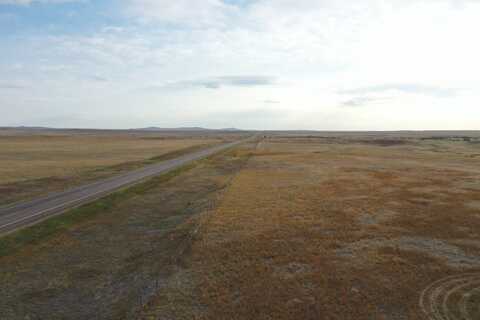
289 227
312 228
107 259
48 161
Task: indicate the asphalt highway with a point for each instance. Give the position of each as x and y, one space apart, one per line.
30 212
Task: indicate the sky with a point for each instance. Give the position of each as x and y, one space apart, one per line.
251 64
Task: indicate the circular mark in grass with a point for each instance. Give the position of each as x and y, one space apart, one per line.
453 298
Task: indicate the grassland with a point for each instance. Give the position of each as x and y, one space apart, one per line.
321 228
35 164
297 226
107 259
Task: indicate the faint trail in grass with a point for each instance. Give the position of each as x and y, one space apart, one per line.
452 298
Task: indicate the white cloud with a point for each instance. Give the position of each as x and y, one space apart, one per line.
410 88
219 82
401 58
183 12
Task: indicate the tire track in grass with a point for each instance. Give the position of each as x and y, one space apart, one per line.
452 298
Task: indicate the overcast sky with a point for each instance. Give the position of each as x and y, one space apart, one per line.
253 64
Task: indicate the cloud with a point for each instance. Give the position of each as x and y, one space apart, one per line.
218 82
254 118
246 81
368 95
205 13
362 101
12 86
271 101
96 78
320 46
403 88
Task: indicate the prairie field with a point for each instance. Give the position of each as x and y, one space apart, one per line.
286 227
35 164
107 259
315 228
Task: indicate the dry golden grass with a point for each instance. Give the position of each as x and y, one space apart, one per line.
307 228
33 165
317 230
35 157
106 259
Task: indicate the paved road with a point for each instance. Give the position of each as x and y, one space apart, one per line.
31 212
